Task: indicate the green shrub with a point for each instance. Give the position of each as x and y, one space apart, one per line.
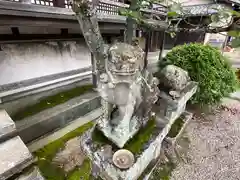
207 66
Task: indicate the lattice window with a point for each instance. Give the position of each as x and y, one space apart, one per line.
14 0
104 8
67 4
43 2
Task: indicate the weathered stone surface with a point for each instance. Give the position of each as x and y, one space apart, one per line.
170 108
56 117
33 174
7 126
174 77
110 172
123 159
15 156
127 93
71 156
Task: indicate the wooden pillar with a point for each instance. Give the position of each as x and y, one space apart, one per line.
122 35
155 40
26 1
147 45
162 43
59 3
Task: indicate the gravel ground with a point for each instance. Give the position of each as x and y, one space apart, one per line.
214 151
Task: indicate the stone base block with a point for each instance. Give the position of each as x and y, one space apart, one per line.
103 161
169 108
14 157
7 126
121 135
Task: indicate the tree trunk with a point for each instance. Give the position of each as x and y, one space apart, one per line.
86 13
131 23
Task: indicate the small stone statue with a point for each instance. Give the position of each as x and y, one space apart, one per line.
122 89
175 79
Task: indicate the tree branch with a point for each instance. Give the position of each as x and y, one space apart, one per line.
86 14
159 25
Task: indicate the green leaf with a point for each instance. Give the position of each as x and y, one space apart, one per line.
172 14
234 33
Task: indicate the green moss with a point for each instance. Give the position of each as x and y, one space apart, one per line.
99 139
48 152
134 145
83 172
176 127
50 101
50 171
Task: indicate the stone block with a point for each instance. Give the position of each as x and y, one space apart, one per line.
108 171
56 117
33 174
15 156
172 108
121 138
7 126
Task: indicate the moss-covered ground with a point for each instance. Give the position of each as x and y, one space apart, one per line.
135 145
51 101
47 153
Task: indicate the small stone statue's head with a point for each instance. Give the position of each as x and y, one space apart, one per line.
125 59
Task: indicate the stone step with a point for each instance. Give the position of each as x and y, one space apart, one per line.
7 126
15 156
53 136
57 117
32 174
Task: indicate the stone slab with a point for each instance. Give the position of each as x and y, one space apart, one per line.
120 139
107 169
33 174
47 121
7 126
15 156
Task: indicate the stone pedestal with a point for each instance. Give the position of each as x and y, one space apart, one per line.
121 137
167 111
103 161
170 108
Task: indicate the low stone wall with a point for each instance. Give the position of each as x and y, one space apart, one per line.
33 60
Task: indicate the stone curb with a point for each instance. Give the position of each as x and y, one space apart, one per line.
57 117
